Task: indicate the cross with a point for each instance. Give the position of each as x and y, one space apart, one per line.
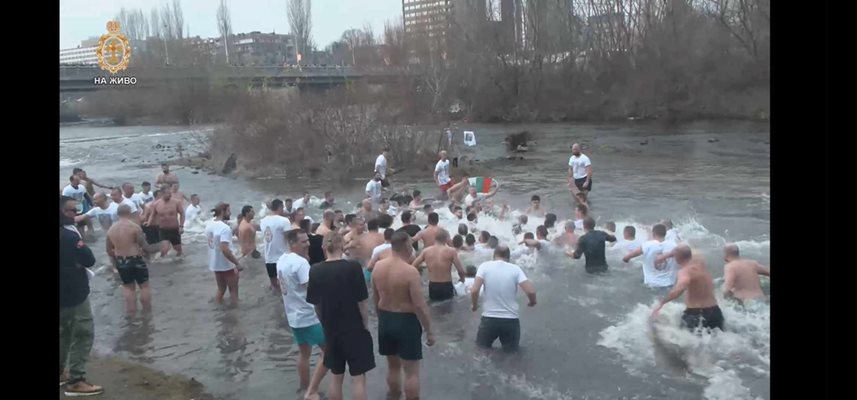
113 49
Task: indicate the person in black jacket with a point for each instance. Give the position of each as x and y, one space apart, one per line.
76 326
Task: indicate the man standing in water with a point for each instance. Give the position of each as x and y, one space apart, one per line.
327 223
701 309
402 316
381 166
592 244
337 290
500 316
374 188
429 234
656 274
247 233
411 229
104 212
192 211
579 174
167 178
126 246
77 329
293 274
221 261
167 213
439 259
77 192
741 276
441 174
274 227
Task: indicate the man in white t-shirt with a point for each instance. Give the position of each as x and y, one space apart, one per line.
381 166
500 308
629 242
293 275
656 275
302 202
193 211
475 198
144 197
274 227
374 190
105 212
441 173
672 232
119 197
221 260
579 174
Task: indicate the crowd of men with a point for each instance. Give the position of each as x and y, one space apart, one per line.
326 270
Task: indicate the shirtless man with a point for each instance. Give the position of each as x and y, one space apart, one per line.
151 231
429 234
168 214
327 223
568 238
366 211
417 203
536 209
701 307
247 233
167 178
741 276
126 246
439 259
458 191
179 195
382 251
367 242
402 316
352 238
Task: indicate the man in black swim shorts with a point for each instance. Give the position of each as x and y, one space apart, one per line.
126 246
702 310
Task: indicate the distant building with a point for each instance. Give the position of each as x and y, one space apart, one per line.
257 48
436 19
79 55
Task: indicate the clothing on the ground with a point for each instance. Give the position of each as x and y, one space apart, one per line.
400 334
508 330
77 332
293 273
591 245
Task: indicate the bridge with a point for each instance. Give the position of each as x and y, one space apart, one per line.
88 78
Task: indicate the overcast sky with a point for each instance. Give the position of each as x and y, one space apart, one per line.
81 19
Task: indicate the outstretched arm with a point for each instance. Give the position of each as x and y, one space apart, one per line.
680 286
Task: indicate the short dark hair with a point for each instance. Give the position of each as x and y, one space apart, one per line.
589 223
456 208
433 218
385 221
292 235
427 207
305 225
400 241
542 230
246 210
630 230
659 230
502 251
441 236
349 218
535 198
550 220
493 242
314 226
470 271
471 217
485 235
529 235
582 208
470 239
611 226
462 229
276 205
372 225
457 241
406 217
388 234
417 193
146 183
76 171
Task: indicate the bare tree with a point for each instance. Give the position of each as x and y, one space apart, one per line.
224 25
178 19
299 13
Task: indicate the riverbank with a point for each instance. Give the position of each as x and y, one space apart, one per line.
123 380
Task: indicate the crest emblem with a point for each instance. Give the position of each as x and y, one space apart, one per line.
114 49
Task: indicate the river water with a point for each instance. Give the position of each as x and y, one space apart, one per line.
588 337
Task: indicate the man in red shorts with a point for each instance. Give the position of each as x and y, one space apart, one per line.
441 173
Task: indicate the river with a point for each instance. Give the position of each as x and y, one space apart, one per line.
588 338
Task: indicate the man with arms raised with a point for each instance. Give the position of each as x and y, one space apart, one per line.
439 259
741 276
126 246
500 308
701 309
402 316
338 291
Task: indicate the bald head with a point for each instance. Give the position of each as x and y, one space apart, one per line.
575 149
124 210
443 155
682 254
100 199
731 251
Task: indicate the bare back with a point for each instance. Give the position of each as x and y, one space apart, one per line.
428 235
396 283
368 242
126 239
167 213
742 277
700 289
167 179
246 237
323 230
439 260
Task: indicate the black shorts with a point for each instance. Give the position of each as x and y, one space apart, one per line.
132 269
400 334
579 183
352 348
170 235
508 330
272 269
439 291
152 234
709 318
595 269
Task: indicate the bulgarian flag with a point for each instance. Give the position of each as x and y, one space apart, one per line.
481 183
